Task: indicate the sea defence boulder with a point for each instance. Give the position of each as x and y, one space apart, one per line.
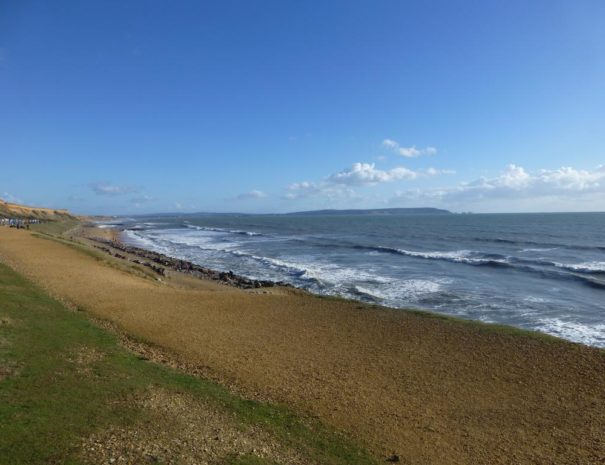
153 259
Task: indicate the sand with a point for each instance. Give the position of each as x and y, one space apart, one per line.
431 390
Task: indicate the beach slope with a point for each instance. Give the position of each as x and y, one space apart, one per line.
430 389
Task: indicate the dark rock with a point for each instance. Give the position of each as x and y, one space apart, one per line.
229 278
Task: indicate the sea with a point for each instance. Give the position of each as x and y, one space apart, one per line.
543 272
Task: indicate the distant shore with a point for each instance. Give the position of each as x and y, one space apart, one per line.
429 388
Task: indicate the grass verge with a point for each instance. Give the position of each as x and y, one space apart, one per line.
54 228
48 405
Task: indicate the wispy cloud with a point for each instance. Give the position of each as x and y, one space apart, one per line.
253 194
8 197
390 144
185 207
103 188
306 189
408 152
436 172
141 200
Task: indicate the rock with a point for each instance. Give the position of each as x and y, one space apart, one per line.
229 278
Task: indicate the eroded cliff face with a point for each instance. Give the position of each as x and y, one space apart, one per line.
13 210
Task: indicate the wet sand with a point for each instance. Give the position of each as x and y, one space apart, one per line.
432 390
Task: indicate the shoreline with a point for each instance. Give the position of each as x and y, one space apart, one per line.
234 280
433 389
114 238
183 266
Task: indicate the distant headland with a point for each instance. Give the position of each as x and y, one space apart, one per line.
375 212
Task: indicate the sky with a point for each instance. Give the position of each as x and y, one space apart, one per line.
126 107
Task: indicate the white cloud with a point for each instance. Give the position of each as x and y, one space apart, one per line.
102 188
408 152
435 172
513 177
253 194
570 178
366 174
390 144
515 180
516 189
305 189
7 197
340 185
301 189
303 186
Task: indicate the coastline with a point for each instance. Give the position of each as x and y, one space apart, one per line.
159 263
119 242
110 242
432 388
547 283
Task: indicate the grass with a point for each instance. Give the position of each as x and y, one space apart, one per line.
55 234
47 407
54 228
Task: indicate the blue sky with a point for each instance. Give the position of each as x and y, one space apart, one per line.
270 106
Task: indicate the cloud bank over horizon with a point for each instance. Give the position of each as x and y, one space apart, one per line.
365 185
517 190
253 194
512 190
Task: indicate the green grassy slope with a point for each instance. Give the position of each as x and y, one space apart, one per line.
49 405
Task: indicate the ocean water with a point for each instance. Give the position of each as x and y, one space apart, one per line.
543 272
